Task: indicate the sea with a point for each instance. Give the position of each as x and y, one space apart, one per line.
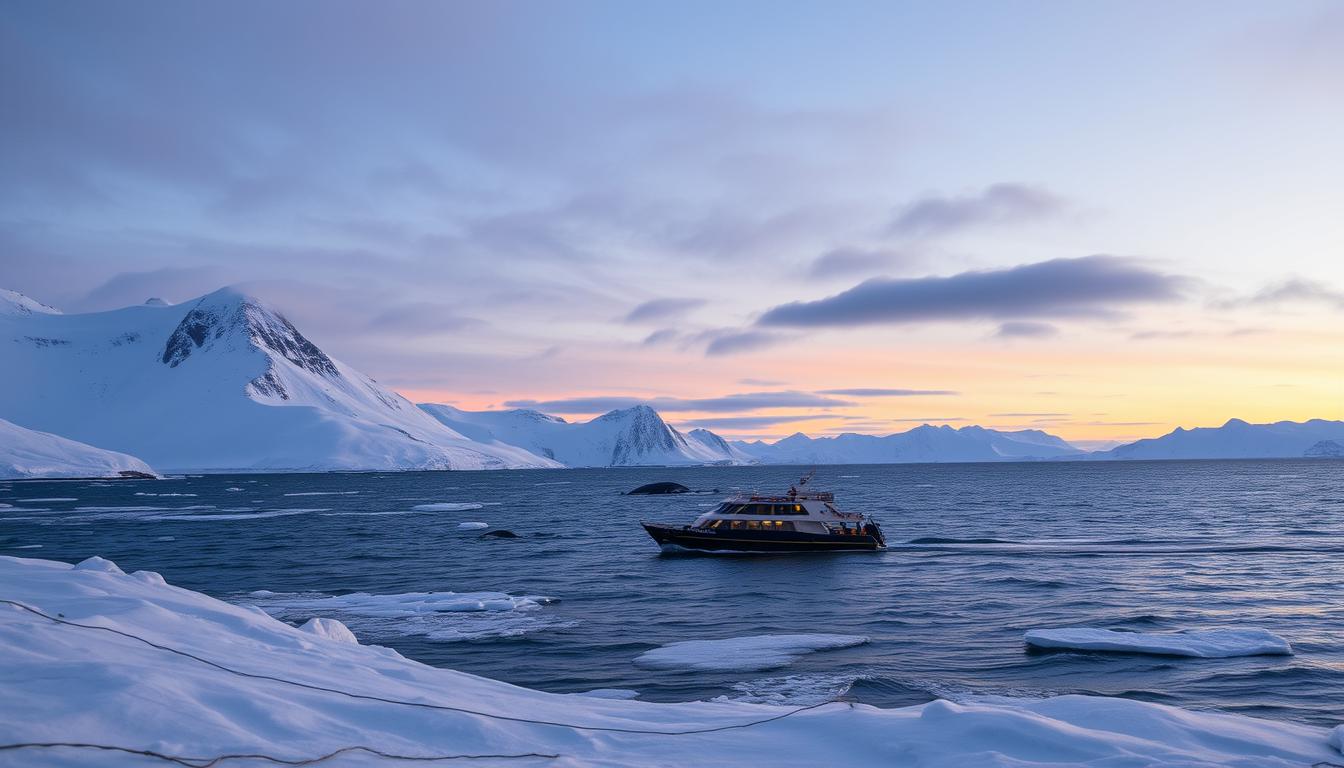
978 554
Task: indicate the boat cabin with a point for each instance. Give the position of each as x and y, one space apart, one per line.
808 512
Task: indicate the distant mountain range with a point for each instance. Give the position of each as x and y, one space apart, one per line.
225 382
632 436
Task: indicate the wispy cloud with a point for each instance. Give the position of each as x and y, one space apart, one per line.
1025 329
871 392
996 204
749 422
744 401
849 261
742 341
1082 287
659 310
1294 291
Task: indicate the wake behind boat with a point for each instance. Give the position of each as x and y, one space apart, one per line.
798 521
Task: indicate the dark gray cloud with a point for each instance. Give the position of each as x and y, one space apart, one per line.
742 341
659 310
744 401
1025 329
1094 286
997 204
871 392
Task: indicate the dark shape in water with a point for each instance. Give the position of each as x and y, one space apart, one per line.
657 488
132 474
500 534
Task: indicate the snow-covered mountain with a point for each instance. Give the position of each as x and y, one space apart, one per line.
221 382
923 444
1236 439
629 437
25 453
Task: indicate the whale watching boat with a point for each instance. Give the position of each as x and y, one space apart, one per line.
798 521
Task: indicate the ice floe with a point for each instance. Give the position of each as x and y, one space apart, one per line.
473 525
444 616
52 500
447 507
322 493
66 683
743 654
1209 643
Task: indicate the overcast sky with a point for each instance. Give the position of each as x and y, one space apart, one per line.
1104 219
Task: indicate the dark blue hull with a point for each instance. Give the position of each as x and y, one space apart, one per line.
761 541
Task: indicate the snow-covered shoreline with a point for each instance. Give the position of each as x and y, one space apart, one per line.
299 694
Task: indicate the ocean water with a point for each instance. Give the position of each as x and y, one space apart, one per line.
979 553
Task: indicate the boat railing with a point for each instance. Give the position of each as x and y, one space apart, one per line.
745 498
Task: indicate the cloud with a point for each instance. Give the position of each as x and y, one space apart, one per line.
1024 415
1019 329
742 341
760 382
173 284
662 309
745 401
847 261
747 422
661 336
927 419
868 392
421 318
1088 286
997 204
1295 291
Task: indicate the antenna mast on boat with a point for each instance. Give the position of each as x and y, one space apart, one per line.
805 478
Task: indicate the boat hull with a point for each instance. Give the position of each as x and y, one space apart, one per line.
759 541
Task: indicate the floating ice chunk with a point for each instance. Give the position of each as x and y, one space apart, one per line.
400 605
473 525
234 490
323 493
330 629
446 507
1208 644
743 654
149 577
97 563
29 546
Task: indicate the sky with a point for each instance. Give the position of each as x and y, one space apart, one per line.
1102 219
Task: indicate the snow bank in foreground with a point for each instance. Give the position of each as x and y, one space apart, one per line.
1209 644
26 453
743 654
330 629
71 684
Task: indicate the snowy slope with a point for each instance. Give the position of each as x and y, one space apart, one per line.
923 444
65 683
629 437
221 382
25 453
1234 440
